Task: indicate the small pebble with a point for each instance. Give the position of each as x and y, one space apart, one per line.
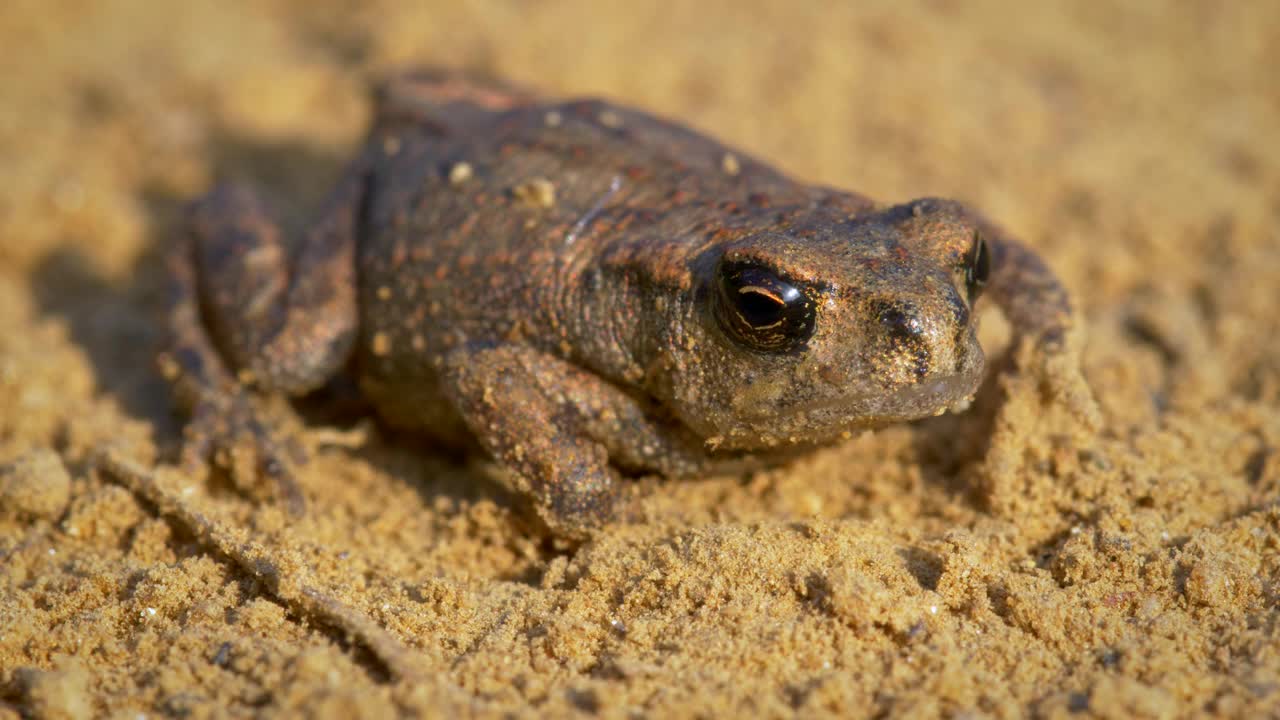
59 693
36 485
1208 584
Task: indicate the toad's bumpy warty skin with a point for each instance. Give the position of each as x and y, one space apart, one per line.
585 290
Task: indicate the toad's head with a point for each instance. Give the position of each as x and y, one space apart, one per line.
799 333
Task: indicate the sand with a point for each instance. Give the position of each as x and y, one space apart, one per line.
1131 572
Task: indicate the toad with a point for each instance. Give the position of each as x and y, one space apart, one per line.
588 292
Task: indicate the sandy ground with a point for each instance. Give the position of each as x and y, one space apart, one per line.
1130 573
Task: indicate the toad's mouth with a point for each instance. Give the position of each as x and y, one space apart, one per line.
949 393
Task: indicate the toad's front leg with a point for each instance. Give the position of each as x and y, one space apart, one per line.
562 430
1039 310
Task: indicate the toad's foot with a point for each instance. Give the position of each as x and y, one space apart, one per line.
519 403
1057 368
229 426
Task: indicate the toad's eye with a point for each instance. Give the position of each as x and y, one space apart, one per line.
977 268
761 310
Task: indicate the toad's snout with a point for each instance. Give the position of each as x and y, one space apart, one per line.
915 341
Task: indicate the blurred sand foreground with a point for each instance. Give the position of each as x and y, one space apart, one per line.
1133 574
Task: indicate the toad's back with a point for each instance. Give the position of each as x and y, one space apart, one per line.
459 185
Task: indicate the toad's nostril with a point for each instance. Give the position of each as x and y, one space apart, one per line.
901 320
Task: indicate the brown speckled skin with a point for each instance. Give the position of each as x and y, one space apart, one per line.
541 277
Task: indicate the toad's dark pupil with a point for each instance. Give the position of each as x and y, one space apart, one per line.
978 269
759 307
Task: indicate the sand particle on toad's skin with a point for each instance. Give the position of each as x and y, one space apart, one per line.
730 165
459 173
539 192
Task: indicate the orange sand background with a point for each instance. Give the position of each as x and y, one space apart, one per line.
1132 573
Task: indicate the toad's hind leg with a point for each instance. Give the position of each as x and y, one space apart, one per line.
246 316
